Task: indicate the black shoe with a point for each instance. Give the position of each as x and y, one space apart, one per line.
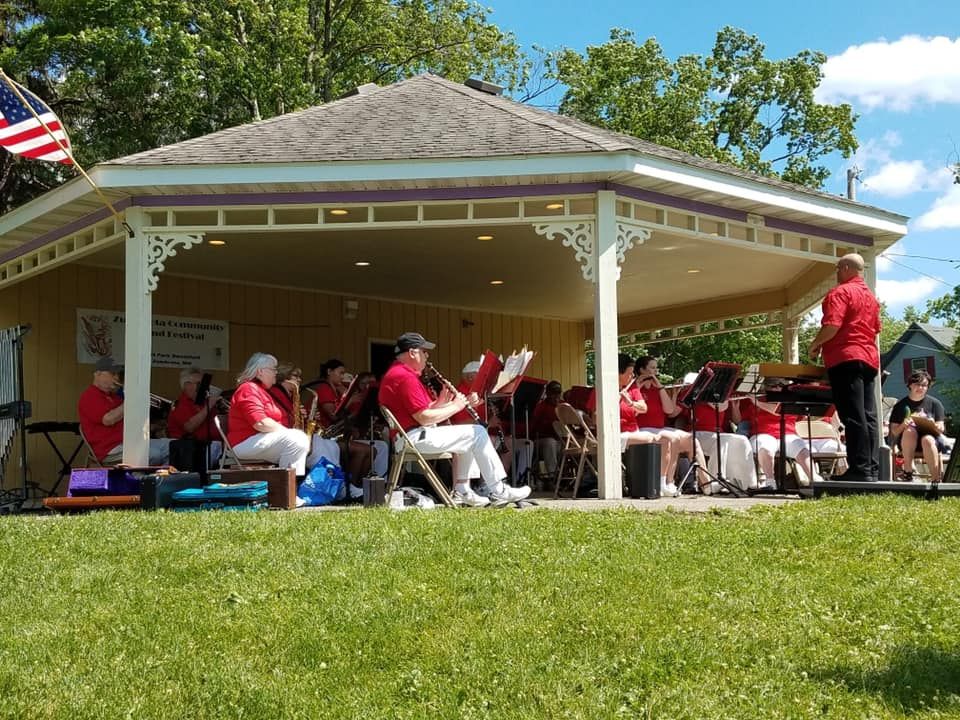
851 476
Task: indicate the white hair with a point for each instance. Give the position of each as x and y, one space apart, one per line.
257 361
188 373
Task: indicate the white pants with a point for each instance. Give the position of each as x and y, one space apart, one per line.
382 460
470 446
286 447
770 444
738 466
159 453
323 447
548 450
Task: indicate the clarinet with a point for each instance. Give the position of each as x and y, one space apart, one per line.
453 388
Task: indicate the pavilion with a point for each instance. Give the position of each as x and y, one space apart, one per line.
483 223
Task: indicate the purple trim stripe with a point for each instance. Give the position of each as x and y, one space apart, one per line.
426 195
739 216
63 230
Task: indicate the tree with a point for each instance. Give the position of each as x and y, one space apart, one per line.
734 106
133 75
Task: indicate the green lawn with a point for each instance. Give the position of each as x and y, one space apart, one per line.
828 609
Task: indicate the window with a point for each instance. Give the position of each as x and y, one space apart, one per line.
911 365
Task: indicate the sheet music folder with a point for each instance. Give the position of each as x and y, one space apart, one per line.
490 368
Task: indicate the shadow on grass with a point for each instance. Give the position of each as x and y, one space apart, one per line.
916 679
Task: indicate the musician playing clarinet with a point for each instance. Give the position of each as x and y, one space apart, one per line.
403 393
848 343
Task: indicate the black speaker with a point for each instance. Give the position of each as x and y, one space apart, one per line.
643 470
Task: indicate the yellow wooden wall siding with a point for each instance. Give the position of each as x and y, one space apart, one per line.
306 327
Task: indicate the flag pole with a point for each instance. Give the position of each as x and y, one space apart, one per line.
16 89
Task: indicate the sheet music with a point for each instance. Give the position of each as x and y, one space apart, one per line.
513 367
752 381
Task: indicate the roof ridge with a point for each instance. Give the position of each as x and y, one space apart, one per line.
584 132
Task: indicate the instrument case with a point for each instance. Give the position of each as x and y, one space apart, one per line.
156 491
102 481
221 496
281 483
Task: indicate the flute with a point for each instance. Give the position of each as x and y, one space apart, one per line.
453 388
624 390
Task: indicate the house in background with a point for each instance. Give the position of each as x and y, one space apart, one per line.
923 347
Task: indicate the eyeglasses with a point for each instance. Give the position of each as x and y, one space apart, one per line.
271 369
921 385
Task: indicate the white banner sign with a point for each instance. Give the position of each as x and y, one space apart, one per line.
177 341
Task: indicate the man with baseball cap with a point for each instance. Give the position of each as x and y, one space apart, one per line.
100 409
402 392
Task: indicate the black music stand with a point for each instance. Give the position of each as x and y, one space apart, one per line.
713 385
523 393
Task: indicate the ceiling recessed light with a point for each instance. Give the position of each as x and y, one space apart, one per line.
362 263
669 247
555 206
338 211
216 242
693 271
484 237
496 282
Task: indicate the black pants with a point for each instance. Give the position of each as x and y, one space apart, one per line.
853 384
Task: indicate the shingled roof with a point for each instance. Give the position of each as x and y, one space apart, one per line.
423 118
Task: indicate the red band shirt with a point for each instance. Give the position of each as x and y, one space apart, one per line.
654 417
402 393
94 403
250 404
852 308
183 410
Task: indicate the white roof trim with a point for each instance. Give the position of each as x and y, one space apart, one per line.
713 181
126 176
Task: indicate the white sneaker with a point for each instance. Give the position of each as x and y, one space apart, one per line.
669 490
355 492
468 498
503 494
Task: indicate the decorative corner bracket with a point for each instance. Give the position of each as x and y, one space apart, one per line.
161 247
580 237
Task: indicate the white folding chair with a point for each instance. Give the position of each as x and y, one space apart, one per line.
580 447
229 457
92 460
408 452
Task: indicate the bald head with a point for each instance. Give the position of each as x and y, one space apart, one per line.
849 266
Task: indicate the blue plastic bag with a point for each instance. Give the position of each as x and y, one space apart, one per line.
323 485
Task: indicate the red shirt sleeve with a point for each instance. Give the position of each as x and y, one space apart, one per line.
834 307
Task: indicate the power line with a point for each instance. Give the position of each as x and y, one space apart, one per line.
932 277
919 257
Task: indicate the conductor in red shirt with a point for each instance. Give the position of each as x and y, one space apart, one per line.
848 342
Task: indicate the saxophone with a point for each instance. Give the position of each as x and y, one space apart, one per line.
297 407
311 428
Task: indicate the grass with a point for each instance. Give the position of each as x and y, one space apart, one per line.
839 608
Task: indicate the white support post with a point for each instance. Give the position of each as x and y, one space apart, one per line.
605 272
138 346
869 256
791 338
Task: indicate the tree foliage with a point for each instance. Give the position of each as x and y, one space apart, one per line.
735 105
130 75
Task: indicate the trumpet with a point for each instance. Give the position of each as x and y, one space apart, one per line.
156 401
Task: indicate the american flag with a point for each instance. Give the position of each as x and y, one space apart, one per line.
21 133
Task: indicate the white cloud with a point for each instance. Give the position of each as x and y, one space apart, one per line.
902 177
900 293
884 263
894 75
945 212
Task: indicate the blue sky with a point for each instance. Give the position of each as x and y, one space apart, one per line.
897 64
